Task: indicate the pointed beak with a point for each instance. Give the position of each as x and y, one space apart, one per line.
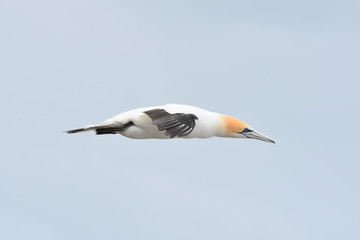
258 136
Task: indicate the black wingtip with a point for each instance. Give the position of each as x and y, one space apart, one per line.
101 131
113 130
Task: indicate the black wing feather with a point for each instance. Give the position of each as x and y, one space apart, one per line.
174 125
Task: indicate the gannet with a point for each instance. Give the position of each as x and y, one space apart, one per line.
174 121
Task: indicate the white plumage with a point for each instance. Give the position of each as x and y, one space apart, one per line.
174 121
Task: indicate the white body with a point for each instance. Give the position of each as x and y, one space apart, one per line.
208 123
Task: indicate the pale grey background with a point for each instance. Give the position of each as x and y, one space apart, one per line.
288 68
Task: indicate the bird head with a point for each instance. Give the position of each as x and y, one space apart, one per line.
236 128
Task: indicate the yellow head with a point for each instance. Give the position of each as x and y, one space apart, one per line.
238 129
233 125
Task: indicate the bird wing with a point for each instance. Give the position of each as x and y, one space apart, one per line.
175 124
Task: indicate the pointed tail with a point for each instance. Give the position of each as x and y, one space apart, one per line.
103 128
84 129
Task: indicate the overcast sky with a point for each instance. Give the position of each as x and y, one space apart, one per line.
289 69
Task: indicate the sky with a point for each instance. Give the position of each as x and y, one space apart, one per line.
288 68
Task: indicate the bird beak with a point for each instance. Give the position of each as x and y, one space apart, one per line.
258 136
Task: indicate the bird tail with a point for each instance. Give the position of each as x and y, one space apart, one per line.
84 129
103 128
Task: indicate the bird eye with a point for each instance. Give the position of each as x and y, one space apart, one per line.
246 130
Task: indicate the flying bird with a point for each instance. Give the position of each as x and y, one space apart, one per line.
174 121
